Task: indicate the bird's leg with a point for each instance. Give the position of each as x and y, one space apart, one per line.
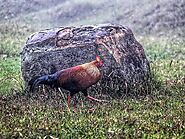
91 98
68 101
75 108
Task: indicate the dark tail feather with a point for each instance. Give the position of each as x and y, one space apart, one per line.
36 81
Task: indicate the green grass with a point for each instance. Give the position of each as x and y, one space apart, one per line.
13 38
160 114
162 117
164 48
10 75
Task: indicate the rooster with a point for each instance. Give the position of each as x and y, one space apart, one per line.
74 79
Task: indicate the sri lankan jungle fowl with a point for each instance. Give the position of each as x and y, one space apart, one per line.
74 79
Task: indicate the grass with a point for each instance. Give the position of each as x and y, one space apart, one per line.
13 37
160 114
162 117
10 75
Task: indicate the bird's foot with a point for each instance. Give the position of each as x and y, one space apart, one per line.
75 110
69 109
97 100
91 110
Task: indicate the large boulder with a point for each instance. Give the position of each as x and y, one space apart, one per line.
125 63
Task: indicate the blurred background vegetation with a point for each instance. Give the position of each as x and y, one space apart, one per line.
20 18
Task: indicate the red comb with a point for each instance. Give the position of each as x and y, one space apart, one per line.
98 58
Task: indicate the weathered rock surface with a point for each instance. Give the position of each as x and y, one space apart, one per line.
125 63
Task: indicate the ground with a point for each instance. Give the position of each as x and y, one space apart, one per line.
158 26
